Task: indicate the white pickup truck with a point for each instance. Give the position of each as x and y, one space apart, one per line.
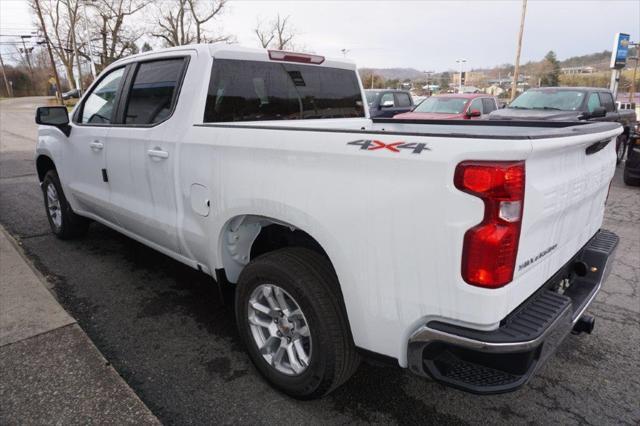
465 251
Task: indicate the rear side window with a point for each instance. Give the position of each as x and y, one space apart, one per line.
607 101
593 102
255 91
488 105
403 100
387 100
152 95
476 104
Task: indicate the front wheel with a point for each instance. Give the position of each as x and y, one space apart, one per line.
621 147
292 321
628 180
65 224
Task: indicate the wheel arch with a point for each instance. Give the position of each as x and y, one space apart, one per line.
44 163
245 237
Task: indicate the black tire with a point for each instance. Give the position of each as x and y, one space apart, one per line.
68 225
309 278
621 147
628 180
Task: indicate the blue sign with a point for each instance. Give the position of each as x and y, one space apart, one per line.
620 50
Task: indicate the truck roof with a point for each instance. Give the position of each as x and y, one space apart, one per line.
464 95
387 90
583 88
234 51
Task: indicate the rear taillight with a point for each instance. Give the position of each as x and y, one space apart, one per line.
490 248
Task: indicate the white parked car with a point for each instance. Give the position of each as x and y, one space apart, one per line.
463 251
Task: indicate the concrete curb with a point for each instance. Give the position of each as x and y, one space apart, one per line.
52 371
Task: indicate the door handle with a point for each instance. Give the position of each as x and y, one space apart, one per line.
158 153
96 145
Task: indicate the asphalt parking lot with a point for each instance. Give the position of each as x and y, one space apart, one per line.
164 328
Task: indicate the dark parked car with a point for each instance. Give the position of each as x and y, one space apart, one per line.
631 173
568 104
387 103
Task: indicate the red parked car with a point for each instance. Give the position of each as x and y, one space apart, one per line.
461 106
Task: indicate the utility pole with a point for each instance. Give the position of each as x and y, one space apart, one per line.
4 76
26 54
88 35
53 62
516 71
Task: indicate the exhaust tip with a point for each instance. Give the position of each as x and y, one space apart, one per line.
584 324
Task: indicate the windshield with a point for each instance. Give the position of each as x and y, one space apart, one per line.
564 100
371 96
442 105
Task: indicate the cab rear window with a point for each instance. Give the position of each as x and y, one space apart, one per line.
258 91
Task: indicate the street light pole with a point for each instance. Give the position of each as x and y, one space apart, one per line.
427 75
461 62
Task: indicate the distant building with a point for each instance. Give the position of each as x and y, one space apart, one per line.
494 90
470 89
577 70
432 87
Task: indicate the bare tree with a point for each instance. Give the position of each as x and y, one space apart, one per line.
184 22
59 26
279 33
203 12
35 4
265 35
117 38
174 25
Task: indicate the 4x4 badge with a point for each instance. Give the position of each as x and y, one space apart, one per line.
373 145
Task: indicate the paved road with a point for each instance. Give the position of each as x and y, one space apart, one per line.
165 331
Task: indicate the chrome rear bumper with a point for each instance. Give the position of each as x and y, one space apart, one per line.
504 359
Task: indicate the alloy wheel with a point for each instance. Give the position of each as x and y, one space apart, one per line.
279 329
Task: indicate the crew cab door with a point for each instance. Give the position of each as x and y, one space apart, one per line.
142 151
87 145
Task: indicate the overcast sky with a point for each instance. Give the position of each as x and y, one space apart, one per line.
427 35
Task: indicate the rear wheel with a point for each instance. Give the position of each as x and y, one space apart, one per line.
65 224
292 321
621 147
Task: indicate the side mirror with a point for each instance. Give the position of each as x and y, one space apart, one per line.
56 116
598 112
386 104
474 113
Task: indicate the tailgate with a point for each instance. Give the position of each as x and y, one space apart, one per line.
567 182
